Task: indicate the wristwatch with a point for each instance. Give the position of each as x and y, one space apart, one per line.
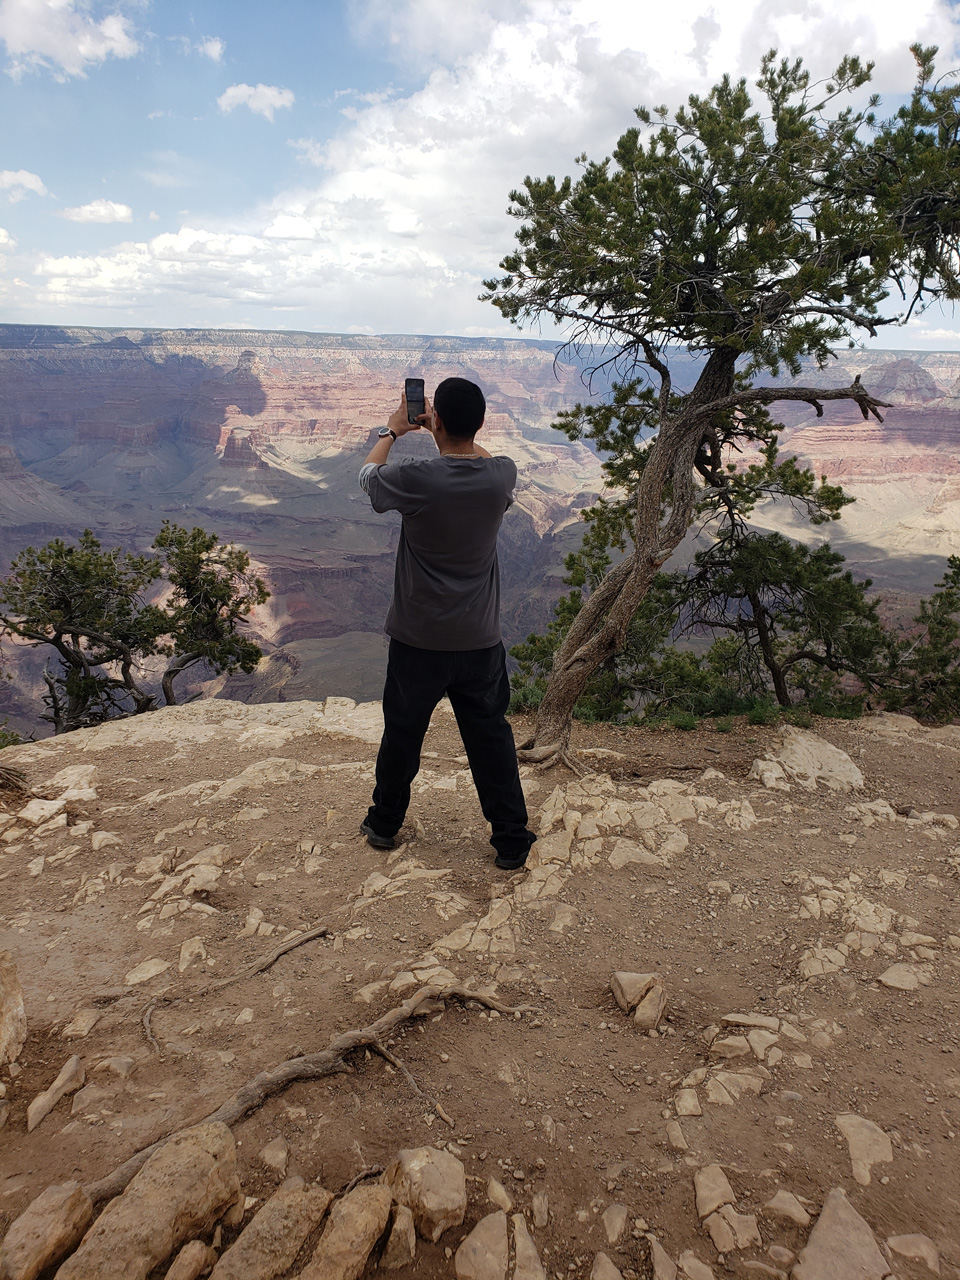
387 431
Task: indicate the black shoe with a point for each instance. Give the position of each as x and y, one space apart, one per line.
511 861
376 839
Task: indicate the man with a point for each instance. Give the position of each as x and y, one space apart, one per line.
444 621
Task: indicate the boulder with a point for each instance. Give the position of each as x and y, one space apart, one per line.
13 1020
841 1245
193 1261
45 1232
401 1247
269 1244
528 1265
483 1254
809 760
178 1195
355 1225
433 1185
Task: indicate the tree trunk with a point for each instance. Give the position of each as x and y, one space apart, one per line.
175 668
765 640
666 497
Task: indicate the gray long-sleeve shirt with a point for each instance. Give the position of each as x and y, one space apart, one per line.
446 592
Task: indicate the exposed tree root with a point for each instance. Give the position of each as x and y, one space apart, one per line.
311 1066
248 971
407 1075
547 757
13 780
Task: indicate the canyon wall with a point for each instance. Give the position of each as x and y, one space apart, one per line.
259 436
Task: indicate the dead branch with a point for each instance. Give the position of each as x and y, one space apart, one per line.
313 1066
371 1171
408 1076
249 971
13 780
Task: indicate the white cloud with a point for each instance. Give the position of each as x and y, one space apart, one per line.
6 240
211 47
99 211
407 213
264 99
18 182
63 35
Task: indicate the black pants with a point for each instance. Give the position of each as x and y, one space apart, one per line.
475 680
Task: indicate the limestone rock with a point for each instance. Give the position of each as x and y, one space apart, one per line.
721 1233
354 1226
692 1268
497 1194
81 1024
868 1144
177 1195
540 1206
664 1267
46 1231
630 988
401 1246
13 1020
193 1261
919 1248
628 851
70 1079
146 970
603 1269
270 1242
191 950
433 1184
687 1103
841 1245
786 1206
900 977
275 1155
615 1221
528 1265
650 1009
36 812
746 1233
809 760
712 1190
483 1254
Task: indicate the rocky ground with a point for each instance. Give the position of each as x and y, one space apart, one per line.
770 1086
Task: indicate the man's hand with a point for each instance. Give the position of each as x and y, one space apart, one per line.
398 419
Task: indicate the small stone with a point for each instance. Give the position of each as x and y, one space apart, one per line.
81 1024
46 1231
191 950
268 1246
868 1144
275 1155
841 1245
603 1269
433 1184
146 970
243 1017
760 1041
720 1233
780 1253
615 1221
900 977
88 1098
497 1194
918 1248
687 1103
101 839
730 1047
650 1009
36 812
541 1209
354 1226
193 1261
120 1066
692 1268
786 1206
746 1233
630 988
401 1247
69 1080
528 1265
13 1020
483 1254
675 1136
663 1266
712 1190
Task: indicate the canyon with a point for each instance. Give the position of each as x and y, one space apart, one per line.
259 435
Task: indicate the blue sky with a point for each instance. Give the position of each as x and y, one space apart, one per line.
345 166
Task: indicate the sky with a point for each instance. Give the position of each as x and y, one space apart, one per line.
346 166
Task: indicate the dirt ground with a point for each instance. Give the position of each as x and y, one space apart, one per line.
738 896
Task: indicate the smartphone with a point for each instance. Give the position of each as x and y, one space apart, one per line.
416 401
